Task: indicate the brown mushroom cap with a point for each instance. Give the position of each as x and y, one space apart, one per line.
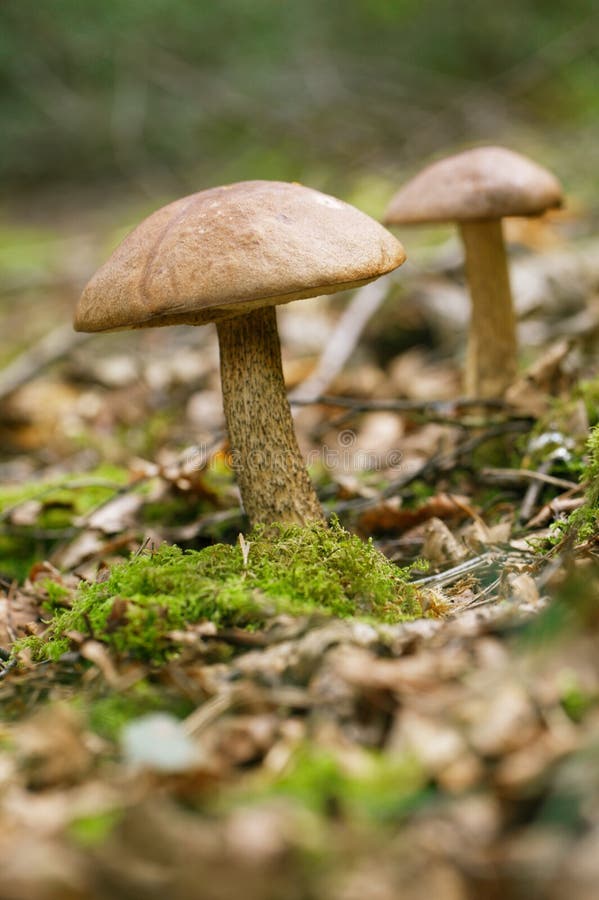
228 250
484 183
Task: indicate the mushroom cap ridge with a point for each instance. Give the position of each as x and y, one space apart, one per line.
227 250
483 183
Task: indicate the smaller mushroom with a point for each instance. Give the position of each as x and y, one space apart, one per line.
477 189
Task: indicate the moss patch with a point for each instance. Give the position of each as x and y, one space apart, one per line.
591 469
107 715
92 831
59 502
586 519
17 556
295 570
377 788
79 493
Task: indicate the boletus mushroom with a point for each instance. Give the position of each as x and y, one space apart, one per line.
477 189
229 255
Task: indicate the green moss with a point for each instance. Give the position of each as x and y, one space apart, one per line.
17 556
588 392
383 789
294 570
576 701
93 831
109 714
80 493
57 594
591 469
557 433
586 519
61 501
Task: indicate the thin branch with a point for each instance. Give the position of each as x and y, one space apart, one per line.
518 476
49 349
458 571
442 412
438 462
447 407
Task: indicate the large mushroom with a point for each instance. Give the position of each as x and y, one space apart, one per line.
229 255
477 189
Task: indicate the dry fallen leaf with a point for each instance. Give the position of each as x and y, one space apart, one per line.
504 722
440 546
391 516
52 748
18 612
115 516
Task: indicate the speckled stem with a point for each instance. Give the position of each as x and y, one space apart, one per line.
272 478
491 362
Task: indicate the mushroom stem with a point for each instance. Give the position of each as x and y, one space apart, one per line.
491 361
272 478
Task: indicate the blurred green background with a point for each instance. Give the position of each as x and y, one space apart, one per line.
162 97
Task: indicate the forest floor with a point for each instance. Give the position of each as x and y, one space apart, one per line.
454 755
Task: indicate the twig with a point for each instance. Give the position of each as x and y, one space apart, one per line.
440 461
52 347
533 492
142 547
4 671
443 412
562 504
10 630
358 404
484 596
458 571
208 712
515 476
